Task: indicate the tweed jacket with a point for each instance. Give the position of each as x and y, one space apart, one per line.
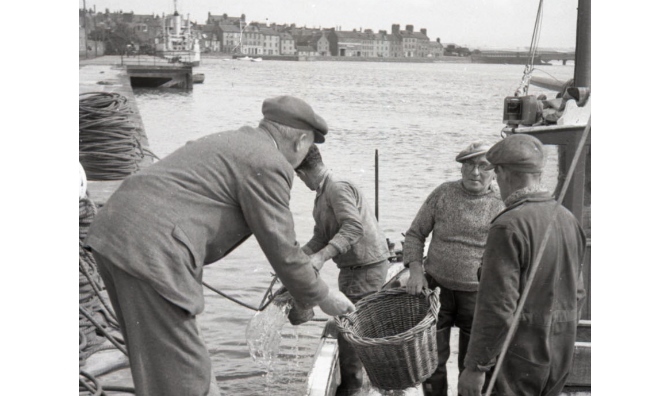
540 354
164 223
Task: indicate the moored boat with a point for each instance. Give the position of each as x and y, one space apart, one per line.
572 138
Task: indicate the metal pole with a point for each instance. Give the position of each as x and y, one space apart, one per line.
582 58
86 33
376 166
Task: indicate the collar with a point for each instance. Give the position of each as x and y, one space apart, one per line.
492 188
529 194
271 136
322 182
525 193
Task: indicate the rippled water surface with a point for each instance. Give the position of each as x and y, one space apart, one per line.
418 117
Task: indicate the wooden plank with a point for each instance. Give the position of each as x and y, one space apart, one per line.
100 191
548 83
324 376
584 331
581 372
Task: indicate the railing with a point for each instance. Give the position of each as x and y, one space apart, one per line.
161 58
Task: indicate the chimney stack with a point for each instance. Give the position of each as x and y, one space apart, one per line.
423 31
409 28
395 28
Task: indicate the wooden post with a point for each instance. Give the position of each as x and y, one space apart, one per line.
86 33
376 166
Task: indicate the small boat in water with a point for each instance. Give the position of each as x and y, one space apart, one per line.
198 78
256 60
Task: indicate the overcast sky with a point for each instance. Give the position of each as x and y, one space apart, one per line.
472 23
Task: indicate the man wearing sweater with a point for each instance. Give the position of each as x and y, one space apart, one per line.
458 214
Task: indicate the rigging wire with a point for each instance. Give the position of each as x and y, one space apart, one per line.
268 298
535 39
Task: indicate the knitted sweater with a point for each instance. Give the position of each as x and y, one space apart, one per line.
459 222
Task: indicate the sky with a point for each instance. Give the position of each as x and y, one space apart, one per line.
506 24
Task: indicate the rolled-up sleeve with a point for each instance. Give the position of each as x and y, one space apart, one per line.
498 294
317 242
264 197
344 203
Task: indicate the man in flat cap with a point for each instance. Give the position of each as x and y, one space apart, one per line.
540 354
346 231
192 208
457 214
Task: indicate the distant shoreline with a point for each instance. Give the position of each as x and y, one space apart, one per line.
301 58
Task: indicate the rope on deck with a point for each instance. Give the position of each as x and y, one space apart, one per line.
109 148
97 321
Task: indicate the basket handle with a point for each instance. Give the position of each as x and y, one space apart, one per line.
342 325
433 300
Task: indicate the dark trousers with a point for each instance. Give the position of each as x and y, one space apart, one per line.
167 354
456 309
356 284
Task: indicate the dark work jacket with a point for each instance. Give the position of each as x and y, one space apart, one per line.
197 204
540 354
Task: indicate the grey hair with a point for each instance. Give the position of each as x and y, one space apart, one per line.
286 132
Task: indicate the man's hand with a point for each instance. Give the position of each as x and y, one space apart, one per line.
471 382
336 303
417 280
317 261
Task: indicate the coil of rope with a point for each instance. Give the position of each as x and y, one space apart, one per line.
108 145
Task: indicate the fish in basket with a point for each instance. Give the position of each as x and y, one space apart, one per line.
394 335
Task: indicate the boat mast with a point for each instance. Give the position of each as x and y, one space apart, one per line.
582 59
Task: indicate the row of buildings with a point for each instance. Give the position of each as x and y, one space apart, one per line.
232 35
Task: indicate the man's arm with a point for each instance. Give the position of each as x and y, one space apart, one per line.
420 229
342 198
498 295
413 246
264 197
580 289
317 242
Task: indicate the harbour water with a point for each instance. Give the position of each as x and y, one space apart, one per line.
418 117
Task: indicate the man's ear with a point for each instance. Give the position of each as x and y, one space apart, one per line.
298 143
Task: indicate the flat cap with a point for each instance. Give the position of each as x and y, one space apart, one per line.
295 113
521 153
473 150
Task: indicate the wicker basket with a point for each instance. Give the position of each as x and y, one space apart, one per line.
393 334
